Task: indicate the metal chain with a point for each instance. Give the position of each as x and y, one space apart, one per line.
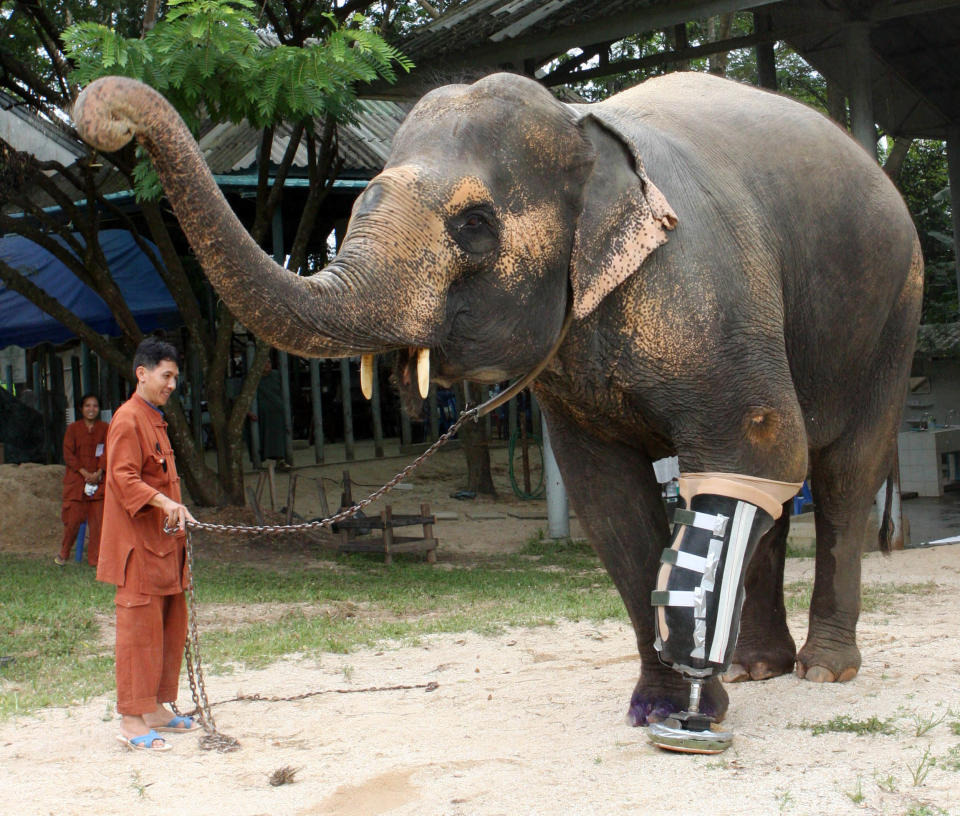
348 512
223 743
214 739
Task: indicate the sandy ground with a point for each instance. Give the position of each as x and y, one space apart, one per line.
529 722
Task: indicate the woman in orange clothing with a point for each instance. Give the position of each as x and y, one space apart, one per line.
147 565
84 456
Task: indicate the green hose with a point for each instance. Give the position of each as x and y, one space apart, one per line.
532 439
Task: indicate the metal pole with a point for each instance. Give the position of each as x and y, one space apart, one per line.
375 408
434 413
766 56
558 513
86 366
284 361
254 427
76 384
316 400
346 393
860 90
279 255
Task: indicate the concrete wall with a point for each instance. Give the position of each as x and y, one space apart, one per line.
939 396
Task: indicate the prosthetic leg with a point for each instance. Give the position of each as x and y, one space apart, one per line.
699 590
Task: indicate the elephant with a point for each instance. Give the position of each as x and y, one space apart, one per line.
741 281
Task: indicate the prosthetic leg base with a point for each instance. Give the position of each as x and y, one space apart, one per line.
689 732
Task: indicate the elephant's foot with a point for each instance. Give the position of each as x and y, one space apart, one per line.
656 699
828 664
763 657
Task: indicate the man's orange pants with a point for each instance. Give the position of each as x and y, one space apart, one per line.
151 632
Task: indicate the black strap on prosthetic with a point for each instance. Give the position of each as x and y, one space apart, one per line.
699 590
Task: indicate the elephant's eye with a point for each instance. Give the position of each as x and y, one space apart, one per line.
475 230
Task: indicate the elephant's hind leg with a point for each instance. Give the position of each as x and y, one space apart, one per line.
765 647
845 478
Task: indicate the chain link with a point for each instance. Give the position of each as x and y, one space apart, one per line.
214 739
345 513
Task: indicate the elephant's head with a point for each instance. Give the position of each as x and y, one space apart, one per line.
496 203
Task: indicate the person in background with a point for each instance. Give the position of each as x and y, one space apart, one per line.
147 565
84 456
268 421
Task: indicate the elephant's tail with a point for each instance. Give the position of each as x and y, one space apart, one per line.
885 534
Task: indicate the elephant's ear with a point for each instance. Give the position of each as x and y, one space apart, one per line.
624 218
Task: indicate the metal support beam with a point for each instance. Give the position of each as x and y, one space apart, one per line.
679 55
860 85
558 511
766 58
606 28
347 400
283 360
86 369
255 458
376 408
317 402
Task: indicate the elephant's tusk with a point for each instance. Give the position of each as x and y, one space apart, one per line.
423 372
366 375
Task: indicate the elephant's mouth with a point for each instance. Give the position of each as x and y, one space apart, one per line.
411 375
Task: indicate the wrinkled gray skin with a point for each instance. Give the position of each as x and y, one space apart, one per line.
770 335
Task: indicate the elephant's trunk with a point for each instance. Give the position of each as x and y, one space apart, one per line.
331 314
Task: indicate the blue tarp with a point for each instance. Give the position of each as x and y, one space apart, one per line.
24 324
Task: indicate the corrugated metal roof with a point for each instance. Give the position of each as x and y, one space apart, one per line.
915 44
363 145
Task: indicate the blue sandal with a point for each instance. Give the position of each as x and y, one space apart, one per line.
179 725
144 742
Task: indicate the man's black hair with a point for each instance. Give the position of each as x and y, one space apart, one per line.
151 352
89 395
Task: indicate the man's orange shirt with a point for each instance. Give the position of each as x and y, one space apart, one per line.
140 464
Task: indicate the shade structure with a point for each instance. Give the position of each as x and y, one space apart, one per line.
22 323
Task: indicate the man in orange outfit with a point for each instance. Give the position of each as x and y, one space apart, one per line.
147 565
84 456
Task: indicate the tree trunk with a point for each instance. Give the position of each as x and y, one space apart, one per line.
718 28
476 449
898 154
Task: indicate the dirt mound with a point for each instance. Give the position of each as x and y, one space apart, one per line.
31 496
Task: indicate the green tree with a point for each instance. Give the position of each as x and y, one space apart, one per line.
208 58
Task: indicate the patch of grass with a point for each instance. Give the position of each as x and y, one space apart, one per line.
49 617
926 810
886 783
923 724
784 801
883 597
48 625
873 597
856 795
806 551
845 724
952 760
920 771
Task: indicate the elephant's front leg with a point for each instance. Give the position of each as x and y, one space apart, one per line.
617 499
